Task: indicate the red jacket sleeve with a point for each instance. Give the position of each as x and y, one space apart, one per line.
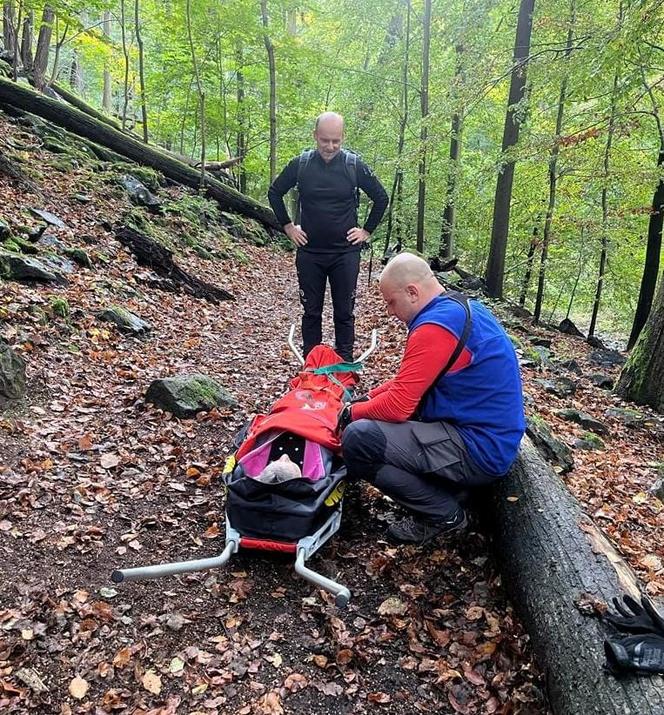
428 349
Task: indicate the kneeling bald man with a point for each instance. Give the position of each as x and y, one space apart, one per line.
451 418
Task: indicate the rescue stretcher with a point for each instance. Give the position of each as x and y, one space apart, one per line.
285 482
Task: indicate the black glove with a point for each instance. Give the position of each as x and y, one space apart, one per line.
344 418
643 653
634 617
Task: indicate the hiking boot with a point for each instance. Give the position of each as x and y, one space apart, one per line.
420 531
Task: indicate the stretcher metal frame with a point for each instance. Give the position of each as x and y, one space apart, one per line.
303 549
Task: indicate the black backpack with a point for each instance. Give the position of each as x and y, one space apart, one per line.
350 164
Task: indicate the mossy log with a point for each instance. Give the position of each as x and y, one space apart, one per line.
158 258
84 125
554 560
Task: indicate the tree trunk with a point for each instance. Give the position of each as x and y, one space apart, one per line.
84 125
75 79
201 93
141 70
107 93
26 41
605 209
241 136
43 47
552 556
654 245
530 259
651 264
398 174
553 174
495 270
446 248
8 27
424 106
269 47
642 378
125 52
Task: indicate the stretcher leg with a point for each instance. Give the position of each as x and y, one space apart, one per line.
341 593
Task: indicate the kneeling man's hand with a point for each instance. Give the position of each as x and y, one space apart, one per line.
344 418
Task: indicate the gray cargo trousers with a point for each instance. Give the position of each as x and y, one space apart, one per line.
424 466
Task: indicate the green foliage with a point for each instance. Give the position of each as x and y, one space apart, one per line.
59 307
349 56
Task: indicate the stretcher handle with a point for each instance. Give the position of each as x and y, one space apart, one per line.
142 573
341 593
362 358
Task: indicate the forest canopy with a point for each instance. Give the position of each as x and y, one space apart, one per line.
424 88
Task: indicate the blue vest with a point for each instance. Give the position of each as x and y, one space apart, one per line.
483 400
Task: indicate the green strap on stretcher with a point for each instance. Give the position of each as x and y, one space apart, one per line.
329 370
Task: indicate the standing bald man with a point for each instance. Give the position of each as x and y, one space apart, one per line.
452 417
328 239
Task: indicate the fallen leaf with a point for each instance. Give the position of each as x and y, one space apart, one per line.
152 682
392 606
381 698
109 460
270 704
295 682
78 688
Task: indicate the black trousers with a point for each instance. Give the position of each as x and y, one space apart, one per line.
313 272
424 466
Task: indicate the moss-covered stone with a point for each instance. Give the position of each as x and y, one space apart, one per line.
12 374
125 320
151 178
78 255
589 441
186 395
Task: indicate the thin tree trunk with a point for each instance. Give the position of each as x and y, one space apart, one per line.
107 94
446 248
125 52
578 277
43 47
534 243
495 270
424 106
201 93
553 173
141 71
273 91
241 137
8 27
26 41
19 20
605 209
398 174
59 42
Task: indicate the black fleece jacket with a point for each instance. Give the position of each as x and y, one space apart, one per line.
327 199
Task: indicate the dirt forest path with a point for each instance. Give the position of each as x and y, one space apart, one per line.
93 478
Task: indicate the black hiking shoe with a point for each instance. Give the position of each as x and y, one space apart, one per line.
412 530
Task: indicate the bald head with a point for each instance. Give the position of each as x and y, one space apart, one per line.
329 134
406 268
407 285
329 119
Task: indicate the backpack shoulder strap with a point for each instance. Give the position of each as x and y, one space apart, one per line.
305 158
350 160
463 301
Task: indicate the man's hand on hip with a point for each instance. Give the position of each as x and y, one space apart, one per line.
296 234
357 235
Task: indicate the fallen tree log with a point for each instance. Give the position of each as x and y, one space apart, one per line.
555 562
153 255
84 125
